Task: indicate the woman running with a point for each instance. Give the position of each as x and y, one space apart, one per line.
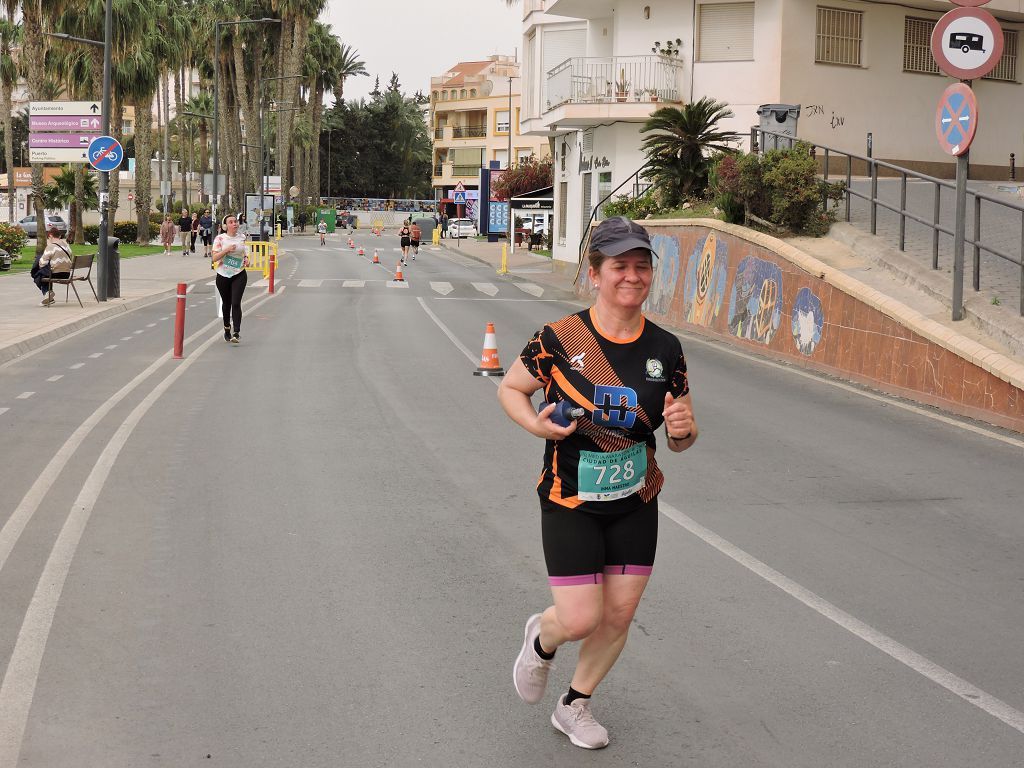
322 229
599 488
230 258
406 234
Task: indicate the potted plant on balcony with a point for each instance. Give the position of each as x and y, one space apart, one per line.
670 48
652 95
622 86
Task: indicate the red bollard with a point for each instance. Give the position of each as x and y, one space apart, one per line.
179 321
270 279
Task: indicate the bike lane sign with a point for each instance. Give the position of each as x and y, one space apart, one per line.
967 43
105 153
956 119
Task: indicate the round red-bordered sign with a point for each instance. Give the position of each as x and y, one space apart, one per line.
967 43
969 3
956 119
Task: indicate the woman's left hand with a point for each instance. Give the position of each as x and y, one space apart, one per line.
678 416
245 261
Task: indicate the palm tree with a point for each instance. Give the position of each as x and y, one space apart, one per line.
10 36
679 146
63 192
34 50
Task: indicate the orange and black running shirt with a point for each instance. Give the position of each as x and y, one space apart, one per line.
607 464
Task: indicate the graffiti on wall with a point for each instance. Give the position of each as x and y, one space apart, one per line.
666 273
808 320
755 306
704 287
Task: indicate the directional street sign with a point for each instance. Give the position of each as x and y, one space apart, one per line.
956 119
60 139
967 43
105 153
65 123
75 108
57 155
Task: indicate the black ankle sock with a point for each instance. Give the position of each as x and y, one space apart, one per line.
540 650
573 694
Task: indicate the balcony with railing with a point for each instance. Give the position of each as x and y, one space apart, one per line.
438 170
464 171
583 90
469 131
439 132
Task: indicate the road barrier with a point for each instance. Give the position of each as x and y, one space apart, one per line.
261 255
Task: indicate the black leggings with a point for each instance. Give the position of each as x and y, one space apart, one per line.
231 290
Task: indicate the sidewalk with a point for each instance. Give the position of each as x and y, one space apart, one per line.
521 262
25 325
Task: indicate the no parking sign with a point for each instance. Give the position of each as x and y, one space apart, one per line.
956 119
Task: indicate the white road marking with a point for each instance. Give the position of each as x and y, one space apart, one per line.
76 366
473 298
24 396
58 377
111 346
489 288
3 411
141 330
901 653
353 284
396 284
310 283
19 682
95 355
443 288
451 337
126 338
530 288
153 325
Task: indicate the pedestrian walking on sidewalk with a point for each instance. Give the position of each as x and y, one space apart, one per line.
406 240
167 231
54 263
230 258
206 232
184 230
193 232
444 225
600 483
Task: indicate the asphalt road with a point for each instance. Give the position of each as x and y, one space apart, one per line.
318 548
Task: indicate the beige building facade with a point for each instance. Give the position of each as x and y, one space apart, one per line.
473 119
595 70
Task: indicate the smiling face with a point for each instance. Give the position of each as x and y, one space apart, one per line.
624 281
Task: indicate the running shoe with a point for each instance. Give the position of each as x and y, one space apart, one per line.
227 333
234 338
530 672
576 721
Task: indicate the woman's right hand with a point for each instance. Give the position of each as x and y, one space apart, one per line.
546 428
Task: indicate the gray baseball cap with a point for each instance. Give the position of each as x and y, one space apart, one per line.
615 236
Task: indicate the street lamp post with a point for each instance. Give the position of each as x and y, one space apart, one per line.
216 101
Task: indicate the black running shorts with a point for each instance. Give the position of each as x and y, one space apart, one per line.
584 547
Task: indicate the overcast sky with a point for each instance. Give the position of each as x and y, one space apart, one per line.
421 40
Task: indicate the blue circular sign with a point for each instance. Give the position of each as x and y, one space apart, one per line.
105 153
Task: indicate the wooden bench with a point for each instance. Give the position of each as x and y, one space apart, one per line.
81 269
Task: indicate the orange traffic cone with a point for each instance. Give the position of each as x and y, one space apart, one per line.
398 273
376 258
489 365
361 251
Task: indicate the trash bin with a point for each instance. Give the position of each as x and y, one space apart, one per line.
779 119
114 271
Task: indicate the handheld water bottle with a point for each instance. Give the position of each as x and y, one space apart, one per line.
565 413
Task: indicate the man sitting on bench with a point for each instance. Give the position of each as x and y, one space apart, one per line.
53 264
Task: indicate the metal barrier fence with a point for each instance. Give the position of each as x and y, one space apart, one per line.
765 140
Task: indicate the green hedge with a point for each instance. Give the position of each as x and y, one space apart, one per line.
125 231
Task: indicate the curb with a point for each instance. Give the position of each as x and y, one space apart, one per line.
18 349
511 276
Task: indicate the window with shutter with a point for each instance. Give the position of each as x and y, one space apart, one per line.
726 32
838 36
917 51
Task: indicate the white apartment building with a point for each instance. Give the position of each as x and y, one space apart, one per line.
590 80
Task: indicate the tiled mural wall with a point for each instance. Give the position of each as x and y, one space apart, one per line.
721 284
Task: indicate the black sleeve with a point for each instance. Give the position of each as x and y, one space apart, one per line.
679 384
537 358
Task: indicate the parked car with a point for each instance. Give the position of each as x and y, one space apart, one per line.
28 225
461 228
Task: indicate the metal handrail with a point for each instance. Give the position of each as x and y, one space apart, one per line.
585 240
872 166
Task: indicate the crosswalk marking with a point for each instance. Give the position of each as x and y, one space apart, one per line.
310 283
58 377
396 284
530 288
443 288
24 396
353 284
489 288
3 411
